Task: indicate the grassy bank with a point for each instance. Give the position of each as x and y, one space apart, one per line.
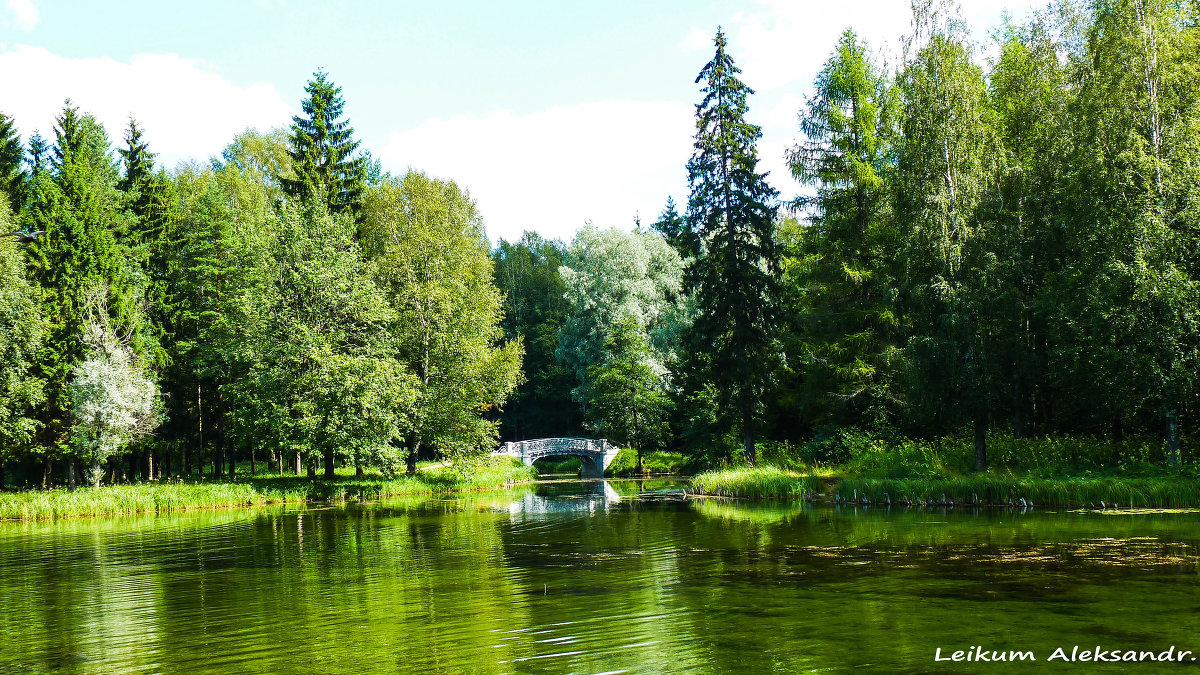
175 495
654 463
1051 472
761 482
766 482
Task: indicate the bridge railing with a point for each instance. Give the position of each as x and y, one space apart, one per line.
555 446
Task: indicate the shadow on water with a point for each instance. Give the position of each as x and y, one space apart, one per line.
586 577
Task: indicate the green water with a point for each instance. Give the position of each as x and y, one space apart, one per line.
589 578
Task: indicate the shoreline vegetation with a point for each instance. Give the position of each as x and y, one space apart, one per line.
261 489
856 467
984 490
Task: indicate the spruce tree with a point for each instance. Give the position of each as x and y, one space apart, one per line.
730 233
322 150
77 206
12 178
37 154
138 160
671 225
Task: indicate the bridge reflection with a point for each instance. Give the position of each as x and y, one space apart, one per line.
595 496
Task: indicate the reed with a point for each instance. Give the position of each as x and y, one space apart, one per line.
760 482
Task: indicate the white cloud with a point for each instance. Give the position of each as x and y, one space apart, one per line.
784 42
697 40
24 14
550 171
187 109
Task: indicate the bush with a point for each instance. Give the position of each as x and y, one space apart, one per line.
654 462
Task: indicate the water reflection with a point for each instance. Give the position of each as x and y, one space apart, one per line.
586 578
582 497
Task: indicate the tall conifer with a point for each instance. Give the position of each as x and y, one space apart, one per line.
730 231
322 151
12 178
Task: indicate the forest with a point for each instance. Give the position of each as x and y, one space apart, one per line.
994 247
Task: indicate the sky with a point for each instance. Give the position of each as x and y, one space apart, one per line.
551 113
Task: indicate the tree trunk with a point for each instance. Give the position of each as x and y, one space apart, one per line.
298 463
150 465
1018 406
2 477
414 446
253 451
200 432
358 470
1172 435
47 473
329 465
311 466
748 434
981 416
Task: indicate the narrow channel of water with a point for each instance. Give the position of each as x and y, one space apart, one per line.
571 577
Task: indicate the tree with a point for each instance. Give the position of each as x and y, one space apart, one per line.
113 400
612 277
425 240
12 177
730 235
629 404
672 226
1029 90
78 206
839 271
535 307
945 163
1134 211
20 337
322 147
313 327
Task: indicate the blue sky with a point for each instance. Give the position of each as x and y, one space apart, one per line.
550 113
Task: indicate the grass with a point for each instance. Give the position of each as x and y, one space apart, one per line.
768 482
176 495
654 463
988 489
761 482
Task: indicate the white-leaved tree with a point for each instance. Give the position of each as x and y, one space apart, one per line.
114 401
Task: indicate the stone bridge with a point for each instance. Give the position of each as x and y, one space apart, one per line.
596 455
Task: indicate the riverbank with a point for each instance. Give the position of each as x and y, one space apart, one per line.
983 489
179 495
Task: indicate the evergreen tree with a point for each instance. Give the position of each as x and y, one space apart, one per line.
322 152
839 274
20 336
138 160
12 177
79 209
730 234
671 226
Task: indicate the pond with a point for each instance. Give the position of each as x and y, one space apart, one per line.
574 577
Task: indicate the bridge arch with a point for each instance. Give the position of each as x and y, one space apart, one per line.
596 454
